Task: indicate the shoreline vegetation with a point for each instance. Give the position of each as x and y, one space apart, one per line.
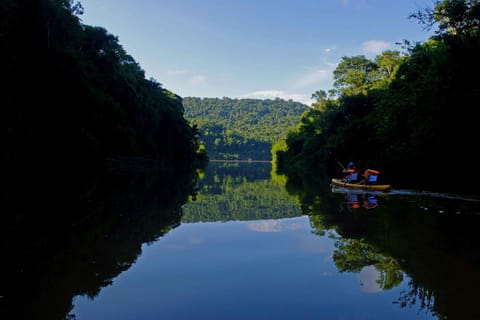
96 102
407 114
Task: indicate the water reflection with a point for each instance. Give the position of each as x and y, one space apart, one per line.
357 255
239 191
369 279
356 199
304 254
363 200
241 236
56 248
427 239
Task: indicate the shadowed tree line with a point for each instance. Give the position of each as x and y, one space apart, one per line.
409 114
73 96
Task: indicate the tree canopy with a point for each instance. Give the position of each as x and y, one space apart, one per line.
409 115
242 128
73 92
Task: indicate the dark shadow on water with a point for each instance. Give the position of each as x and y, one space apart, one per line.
429 237
58 241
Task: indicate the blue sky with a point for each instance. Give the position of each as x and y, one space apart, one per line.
253 48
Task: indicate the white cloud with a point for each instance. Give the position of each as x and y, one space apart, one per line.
312 77
272 94
375 47
266 226
293 224
330 49
368 277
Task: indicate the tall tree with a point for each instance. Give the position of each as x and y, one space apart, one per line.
455 17
353 75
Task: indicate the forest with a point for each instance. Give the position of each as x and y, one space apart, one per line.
411 113
242 129
73 95
77 112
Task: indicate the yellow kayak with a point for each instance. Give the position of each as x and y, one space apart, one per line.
376 187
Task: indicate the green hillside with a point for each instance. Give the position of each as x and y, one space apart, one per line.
242 128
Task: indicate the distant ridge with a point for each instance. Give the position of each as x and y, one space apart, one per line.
242 129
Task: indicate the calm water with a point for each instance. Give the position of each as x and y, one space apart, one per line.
245 248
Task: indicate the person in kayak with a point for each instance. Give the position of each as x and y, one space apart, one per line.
350 174
370 176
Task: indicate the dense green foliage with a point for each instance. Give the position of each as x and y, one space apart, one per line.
72 93
242 128
409 115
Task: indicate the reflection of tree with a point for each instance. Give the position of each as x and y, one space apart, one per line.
55 249
351 255
418 294
438 252
326 215
245 192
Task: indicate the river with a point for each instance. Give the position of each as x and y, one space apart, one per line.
247 244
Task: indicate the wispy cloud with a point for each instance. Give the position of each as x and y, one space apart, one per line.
189 76
197 80
375 47
293 224
312 77
330 49
266 226
272 94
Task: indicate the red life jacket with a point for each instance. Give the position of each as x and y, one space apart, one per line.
370 171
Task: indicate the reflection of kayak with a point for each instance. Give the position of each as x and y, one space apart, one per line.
379 187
